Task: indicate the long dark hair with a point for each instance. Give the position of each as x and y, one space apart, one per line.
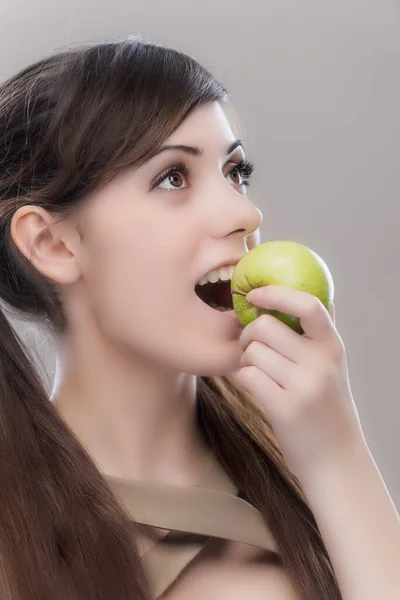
68 123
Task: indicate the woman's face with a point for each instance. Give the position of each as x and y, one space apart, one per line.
150 237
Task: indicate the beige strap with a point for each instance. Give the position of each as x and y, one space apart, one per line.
212 510
166 561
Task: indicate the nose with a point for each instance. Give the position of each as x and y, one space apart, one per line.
241 218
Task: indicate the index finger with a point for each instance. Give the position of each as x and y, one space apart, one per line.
314 317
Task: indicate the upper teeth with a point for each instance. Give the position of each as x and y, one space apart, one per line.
223 274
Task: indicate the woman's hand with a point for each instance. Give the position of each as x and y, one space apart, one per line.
301 380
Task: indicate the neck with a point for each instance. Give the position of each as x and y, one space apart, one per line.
136 421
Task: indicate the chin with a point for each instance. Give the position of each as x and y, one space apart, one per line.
222 359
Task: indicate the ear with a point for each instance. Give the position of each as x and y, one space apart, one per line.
45 243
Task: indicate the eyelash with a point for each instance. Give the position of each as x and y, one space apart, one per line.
245 168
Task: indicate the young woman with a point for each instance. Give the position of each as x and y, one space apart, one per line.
179 456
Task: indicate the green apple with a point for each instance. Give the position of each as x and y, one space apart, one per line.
284 263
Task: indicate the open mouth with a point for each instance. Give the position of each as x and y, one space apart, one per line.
217 295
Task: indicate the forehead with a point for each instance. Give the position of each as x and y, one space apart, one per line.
208 125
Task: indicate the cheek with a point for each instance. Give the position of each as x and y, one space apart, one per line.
146 305
138 284
134 281
131 278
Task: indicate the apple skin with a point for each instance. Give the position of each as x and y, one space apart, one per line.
286 263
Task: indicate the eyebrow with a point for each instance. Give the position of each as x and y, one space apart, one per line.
195 150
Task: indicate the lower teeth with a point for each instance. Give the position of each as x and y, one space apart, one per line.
220 308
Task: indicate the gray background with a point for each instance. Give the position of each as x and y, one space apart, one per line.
316 85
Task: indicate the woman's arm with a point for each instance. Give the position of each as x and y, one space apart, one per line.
359 525
302 381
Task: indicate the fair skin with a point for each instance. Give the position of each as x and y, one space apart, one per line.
138 336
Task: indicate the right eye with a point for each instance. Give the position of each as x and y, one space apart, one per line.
173 179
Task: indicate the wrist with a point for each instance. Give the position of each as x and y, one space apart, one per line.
350 458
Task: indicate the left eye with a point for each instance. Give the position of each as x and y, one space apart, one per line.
236 175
